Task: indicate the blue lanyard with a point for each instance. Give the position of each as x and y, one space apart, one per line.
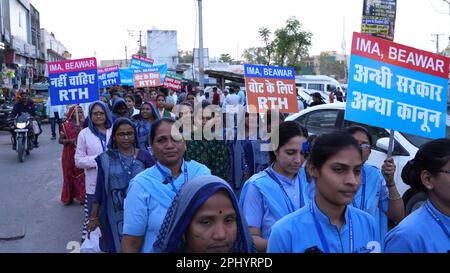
363 194
438 221
125 167
169 179
323 240
291 204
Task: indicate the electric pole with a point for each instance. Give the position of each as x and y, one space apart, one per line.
133 33
126 56
437 41
200 46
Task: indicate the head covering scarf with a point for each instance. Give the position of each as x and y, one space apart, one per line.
191 196
112 145
108 116
118 102
155 112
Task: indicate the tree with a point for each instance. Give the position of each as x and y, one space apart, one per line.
185 56
291 43
330 66
225 58
255 55
289 46
264 34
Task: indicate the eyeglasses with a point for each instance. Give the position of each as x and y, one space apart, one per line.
447 171
98 114
365 146
125 134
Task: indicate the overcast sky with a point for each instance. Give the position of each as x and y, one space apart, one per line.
88 26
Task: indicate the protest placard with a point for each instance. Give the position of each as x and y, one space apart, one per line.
172 82
147 79
139 62
127 74
108 76
73 81
397 87
270 88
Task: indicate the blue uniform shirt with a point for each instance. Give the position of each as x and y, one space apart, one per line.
149 198
263 201
297 232
373 190
420 232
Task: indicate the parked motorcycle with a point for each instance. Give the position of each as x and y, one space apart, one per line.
22 135
5 112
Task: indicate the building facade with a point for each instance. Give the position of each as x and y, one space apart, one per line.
52 49
162 47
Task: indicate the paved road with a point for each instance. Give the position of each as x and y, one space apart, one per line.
30 199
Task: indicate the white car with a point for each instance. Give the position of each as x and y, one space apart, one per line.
327 117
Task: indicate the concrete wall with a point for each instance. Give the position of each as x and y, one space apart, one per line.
162 47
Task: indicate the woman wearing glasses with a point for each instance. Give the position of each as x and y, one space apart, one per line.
426 230
377 194
116 167
151 193
91 142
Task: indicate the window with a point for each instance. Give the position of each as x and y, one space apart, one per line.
331 88
20 19
319 122
316 86
377 133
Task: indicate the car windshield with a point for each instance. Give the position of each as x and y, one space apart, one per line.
418 141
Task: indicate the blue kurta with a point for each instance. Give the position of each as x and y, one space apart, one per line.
149 198
264 202
373 190
420 232
297 232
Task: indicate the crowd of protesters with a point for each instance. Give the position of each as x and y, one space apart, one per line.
153 186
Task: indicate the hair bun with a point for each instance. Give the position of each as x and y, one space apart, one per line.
410 175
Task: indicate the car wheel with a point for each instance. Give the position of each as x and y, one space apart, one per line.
415 202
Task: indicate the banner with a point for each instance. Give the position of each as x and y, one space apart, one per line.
73 81
127 75
108 76
147 79
139 62
397 87
378 18
172 82
270 88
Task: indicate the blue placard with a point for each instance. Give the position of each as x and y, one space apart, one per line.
138 64
108 79
74 87
127 74
397 98
273 72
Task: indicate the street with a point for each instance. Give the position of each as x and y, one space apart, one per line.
30 200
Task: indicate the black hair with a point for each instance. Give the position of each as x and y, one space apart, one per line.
161 95
432 156
355 129
286 131
119 122
156 125
328 145
131 97
137 101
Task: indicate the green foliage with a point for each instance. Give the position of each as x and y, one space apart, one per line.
185 56
287 48
225 58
